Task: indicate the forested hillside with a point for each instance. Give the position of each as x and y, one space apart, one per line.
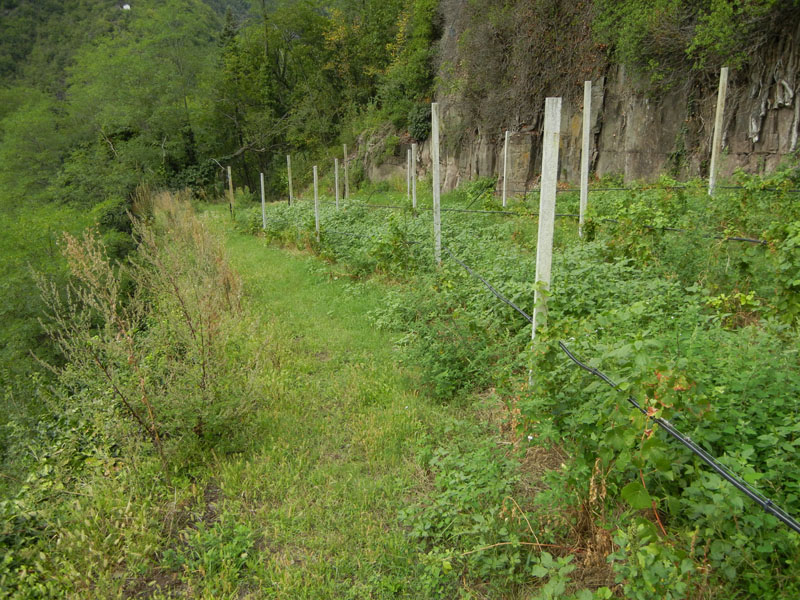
96 100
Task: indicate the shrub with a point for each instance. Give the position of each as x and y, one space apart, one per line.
419 122
150 336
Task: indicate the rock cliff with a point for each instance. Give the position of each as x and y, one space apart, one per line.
639 132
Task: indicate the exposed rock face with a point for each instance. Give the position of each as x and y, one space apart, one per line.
638 135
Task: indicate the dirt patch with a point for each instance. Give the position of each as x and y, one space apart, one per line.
580 516
155 581
178 517
322 356
212 495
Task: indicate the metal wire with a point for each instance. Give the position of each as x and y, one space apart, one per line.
456 210
345 233
489 286
765 503
706 237
560 215
666 187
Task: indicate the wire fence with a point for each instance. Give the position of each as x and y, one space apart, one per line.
526 191
765 503
760 499
558 215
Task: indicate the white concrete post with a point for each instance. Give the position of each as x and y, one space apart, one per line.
716 143
505 169
547 207
587 117
263 205
316 203
289 172
230 189
346 176
408 174
336 179
437 216
414 176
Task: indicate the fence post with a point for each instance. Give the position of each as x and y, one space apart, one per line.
230 190
408 174
336 179
716 143
263 206
505 169
547 207
414 176
437 216
346 176
316 203
587 117
289 171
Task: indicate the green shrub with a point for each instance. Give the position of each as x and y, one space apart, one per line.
419 122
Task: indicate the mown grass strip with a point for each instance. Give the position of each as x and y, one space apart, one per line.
334 461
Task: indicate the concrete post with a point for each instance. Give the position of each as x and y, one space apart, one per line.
263 205
336 179
547 208
716 143
505 169
346 175
316 203
408 174
289 173
587 117
414 176
230 190
437 216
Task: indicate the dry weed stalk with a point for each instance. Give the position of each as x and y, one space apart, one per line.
600 544
157 346
92 309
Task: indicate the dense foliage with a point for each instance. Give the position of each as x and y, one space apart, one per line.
699 329
146 364
96 100
667 39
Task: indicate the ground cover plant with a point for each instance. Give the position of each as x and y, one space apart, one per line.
700 329
297 496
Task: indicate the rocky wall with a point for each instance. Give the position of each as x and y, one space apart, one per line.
634 134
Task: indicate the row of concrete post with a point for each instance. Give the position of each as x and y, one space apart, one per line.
549 180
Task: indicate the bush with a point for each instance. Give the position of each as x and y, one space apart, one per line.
419 122
150 337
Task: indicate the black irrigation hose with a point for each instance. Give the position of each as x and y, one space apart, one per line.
765 503
739 187
459 210
489 286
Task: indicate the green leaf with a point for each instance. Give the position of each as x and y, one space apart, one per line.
539 571
635 495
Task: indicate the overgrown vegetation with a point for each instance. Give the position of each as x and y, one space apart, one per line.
162 434
149 355
700 330
666 40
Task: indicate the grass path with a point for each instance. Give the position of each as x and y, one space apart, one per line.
335 461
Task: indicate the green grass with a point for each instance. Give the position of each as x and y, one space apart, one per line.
332 460
304 502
